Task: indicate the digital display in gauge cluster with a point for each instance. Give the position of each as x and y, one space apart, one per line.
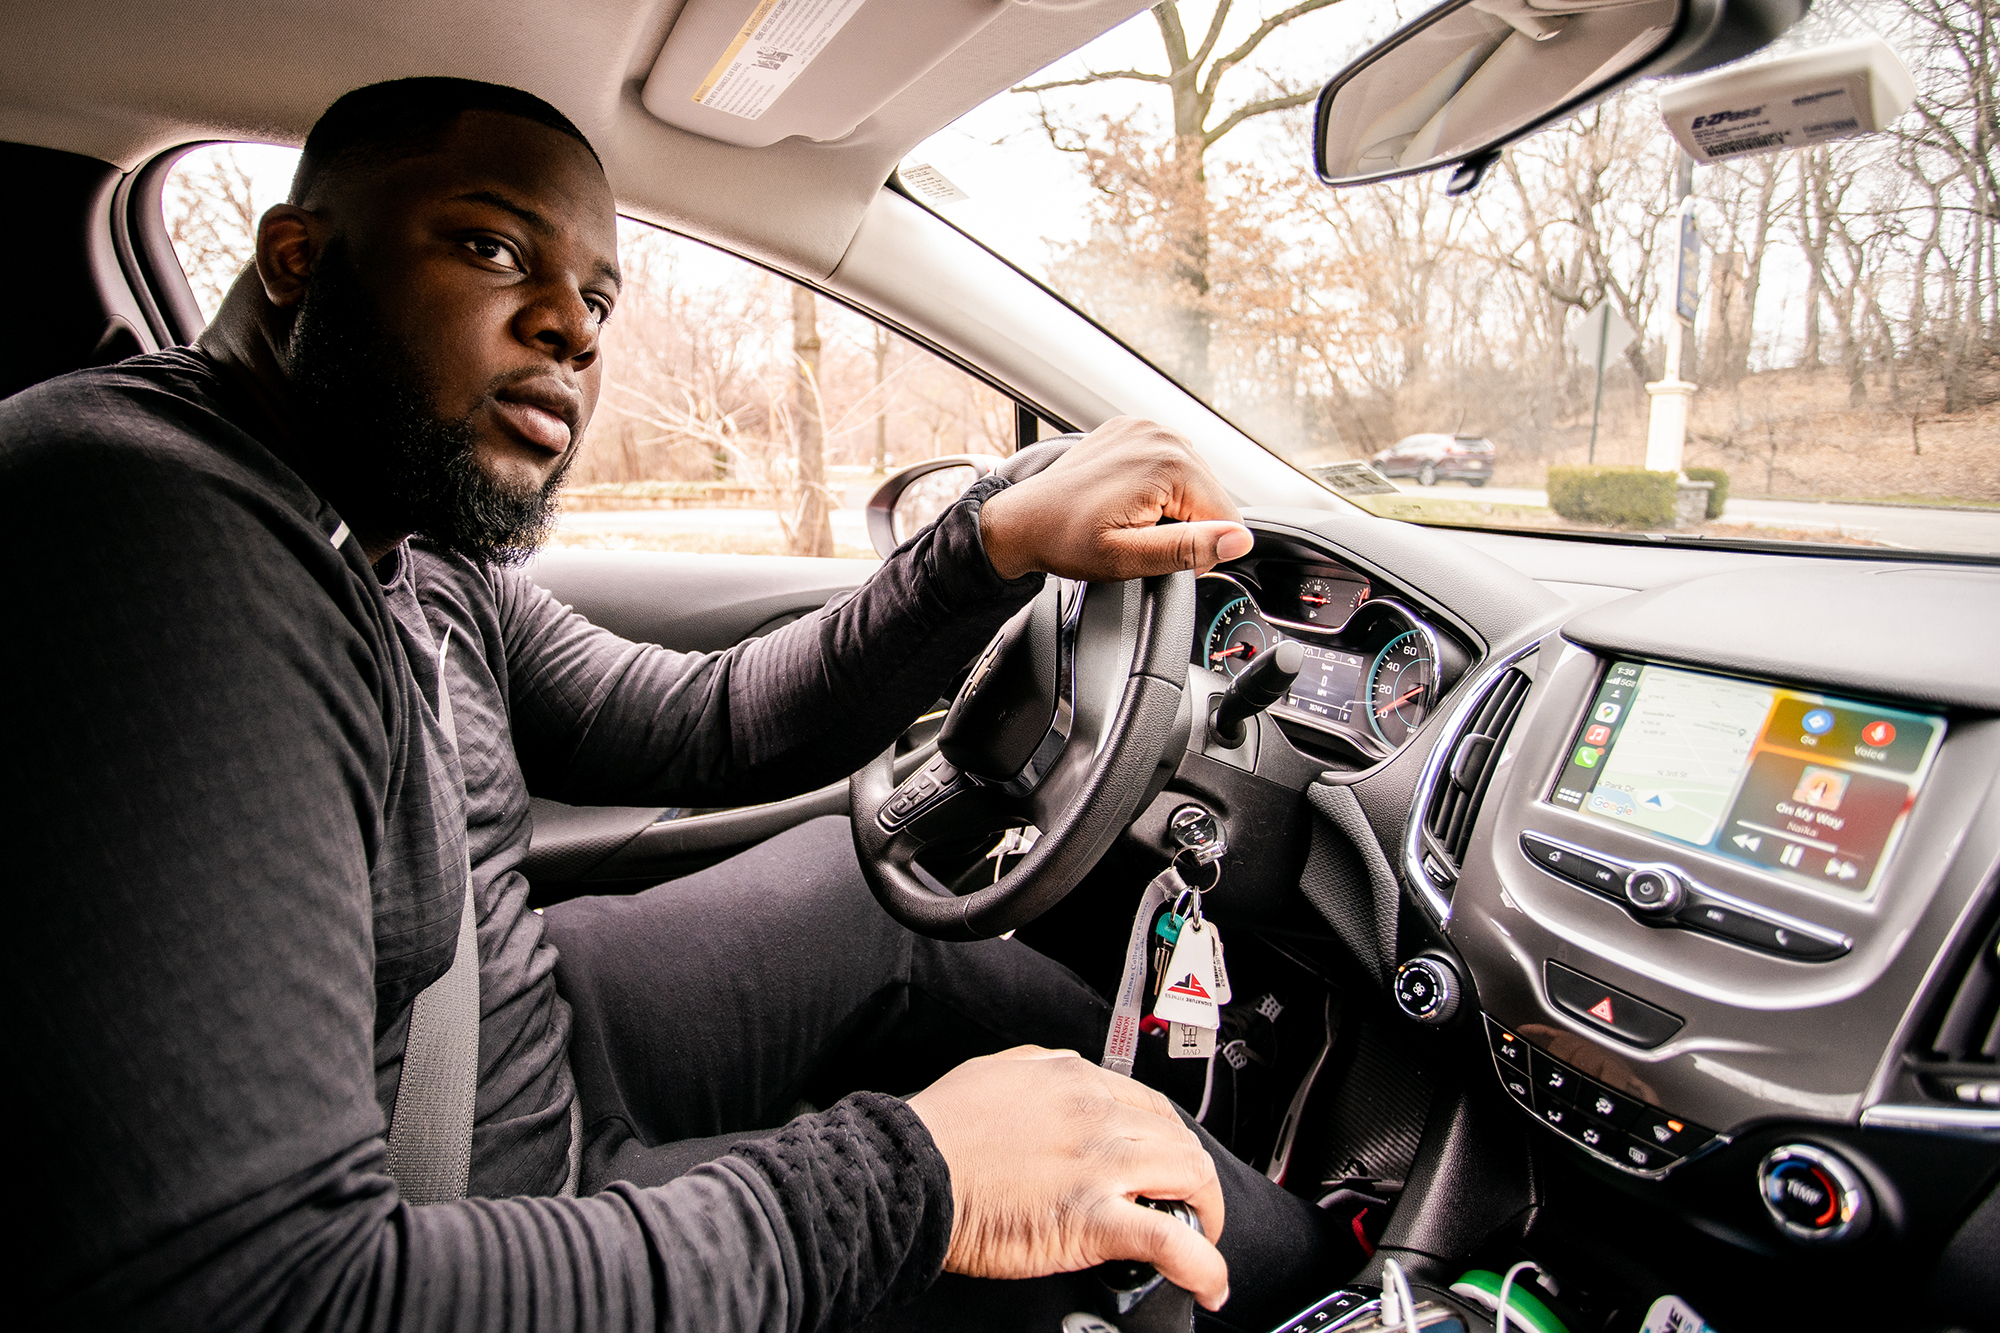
1807 786
1328 684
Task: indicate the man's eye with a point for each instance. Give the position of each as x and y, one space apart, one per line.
601 309
493 251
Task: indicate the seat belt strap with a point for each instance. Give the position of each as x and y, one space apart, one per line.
430 1134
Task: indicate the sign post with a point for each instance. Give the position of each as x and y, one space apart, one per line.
1604 334
1666 430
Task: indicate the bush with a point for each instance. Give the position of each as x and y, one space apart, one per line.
1626 497
1717 497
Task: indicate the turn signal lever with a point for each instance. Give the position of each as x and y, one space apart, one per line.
1264 682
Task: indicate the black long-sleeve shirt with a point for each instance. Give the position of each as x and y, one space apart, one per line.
234 829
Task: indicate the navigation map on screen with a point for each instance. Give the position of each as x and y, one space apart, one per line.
1806 786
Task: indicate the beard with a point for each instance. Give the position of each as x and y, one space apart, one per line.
385 447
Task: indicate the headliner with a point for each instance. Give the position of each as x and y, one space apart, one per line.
122 81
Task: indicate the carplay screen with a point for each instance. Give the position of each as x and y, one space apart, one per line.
1807 786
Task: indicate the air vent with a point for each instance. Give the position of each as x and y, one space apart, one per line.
1957 1054
1461 785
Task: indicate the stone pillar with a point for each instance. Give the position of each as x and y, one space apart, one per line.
1666 431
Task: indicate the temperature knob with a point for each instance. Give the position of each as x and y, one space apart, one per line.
1813 1195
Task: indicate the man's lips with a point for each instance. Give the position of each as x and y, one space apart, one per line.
543 413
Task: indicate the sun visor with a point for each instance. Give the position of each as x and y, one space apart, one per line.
752 72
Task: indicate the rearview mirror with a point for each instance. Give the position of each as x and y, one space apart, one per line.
1472 76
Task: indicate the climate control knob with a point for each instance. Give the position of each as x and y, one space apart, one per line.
1427 989
1813 1195
1654 892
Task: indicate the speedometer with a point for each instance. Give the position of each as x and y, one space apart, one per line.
1236 634
1401 681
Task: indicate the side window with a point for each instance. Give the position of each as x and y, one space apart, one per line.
741 413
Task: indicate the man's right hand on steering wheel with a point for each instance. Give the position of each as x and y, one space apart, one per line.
1092 514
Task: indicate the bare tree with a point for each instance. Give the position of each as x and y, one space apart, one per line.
1192 81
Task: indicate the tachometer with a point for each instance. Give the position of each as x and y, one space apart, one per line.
1401 681
1235 636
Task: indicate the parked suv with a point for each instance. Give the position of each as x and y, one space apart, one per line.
1434 458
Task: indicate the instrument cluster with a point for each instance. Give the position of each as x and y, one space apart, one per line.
1372 669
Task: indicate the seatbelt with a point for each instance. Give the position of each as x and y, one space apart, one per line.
430 1134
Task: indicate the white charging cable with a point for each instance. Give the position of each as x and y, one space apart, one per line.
1398 1305
1506 1286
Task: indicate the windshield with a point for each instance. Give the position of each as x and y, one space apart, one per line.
1485 361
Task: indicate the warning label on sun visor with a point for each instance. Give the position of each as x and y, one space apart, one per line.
1784 122
770 50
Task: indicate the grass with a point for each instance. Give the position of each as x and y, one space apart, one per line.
1451 511
1914 501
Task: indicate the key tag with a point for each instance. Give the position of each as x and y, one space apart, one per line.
1189 995
1187 1042
1221 990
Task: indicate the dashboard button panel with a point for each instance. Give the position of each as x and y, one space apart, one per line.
1666 896
1608 1009
1613 1125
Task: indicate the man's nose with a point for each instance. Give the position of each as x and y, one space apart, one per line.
561 323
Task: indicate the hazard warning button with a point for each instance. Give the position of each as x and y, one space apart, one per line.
1608 1009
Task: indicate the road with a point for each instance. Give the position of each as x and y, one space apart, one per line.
1919 528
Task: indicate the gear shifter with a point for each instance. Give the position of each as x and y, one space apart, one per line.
1264 682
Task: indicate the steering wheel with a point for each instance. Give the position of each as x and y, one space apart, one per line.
1064 723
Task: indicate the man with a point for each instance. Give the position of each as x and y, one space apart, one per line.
278 688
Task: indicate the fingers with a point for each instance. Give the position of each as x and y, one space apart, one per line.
1144 552
1188 1260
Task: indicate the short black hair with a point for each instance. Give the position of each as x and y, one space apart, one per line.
404 117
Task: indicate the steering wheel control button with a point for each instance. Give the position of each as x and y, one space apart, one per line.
920 790
1507 1046
1427 990
1814 1195
1655 893
1574 866
1608 1009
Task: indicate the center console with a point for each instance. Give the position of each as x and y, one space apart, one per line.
1721 889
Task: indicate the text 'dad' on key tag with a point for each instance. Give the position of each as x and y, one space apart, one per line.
1187 1042
1189 995
1222 992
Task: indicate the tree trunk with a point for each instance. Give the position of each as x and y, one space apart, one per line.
813 534
881 403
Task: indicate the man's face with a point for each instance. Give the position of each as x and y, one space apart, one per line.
450 330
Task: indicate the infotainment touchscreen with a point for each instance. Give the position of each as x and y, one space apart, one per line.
1806 786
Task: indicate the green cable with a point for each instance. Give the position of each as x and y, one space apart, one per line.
1524 1309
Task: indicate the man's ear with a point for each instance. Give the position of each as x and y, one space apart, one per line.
288 245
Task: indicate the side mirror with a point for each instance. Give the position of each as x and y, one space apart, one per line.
1468 78
904 503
